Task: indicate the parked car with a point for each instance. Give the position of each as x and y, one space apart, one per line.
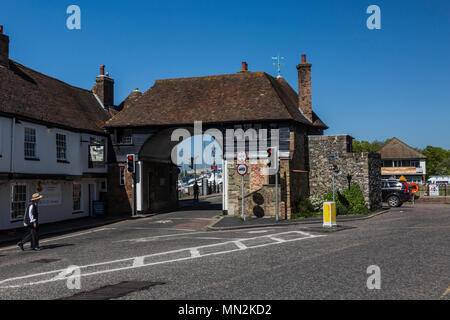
395 192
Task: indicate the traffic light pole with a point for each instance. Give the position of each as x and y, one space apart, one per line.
277 205
133 193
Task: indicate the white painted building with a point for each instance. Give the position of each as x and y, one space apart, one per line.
52 141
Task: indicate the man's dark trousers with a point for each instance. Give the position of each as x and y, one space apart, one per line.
33 236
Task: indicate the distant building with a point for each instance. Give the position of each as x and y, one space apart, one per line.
399 159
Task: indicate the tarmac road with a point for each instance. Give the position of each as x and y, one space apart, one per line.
172 256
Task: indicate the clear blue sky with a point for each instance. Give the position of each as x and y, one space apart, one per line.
372 84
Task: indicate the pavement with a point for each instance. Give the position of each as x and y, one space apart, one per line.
232 222
10 237
174 256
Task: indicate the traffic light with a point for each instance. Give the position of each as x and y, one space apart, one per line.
192 163
130 163
272 164
269 156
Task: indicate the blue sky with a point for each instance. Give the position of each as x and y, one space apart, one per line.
372 84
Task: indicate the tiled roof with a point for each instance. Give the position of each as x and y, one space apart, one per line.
32 95
239 97
396 149
132 97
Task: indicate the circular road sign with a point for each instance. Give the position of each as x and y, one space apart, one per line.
241 156
242 169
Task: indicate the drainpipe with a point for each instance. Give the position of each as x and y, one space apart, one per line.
11 163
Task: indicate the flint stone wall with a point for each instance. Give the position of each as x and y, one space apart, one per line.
365 168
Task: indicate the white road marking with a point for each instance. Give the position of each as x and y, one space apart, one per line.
240 245
195 253
138 262
62 237
277 239
162 221
206 219
260 231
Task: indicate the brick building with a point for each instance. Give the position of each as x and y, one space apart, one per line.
243 100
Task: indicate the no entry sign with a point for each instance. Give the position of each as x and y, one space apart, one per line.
242 169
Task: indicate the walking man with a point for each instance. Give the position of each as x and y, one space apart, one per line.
196 190
31 221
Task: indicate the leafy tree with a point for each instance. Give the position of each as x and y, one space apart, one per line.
365 146
435 156
443 168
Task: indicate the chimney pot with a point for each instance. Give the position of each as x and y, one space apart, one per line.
104 88
4 48
304 88
244 66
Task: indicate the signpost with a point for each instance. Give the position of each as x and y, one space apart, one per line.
242 170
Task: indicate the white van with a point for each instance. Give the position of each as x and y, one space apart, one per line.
439 180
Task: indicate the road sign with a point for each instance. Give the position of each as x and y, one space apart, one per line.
241 156
242 169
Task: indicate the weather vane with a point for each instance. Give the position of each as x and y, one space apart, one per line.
278 63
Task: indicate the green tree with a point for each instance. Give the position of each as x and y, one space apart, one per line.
443 168
435 156
366 146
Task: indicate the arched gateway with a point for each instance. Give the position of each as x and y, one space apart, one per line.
255 102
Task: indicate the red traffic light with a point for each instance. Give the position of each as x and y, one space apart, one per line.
130 158
269 151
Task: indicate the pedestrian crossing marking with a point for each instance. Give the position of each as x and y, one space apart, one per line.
178 255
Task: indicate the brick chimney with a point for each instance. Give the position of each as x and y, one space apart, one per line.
304 88
244 66
4 49
104 88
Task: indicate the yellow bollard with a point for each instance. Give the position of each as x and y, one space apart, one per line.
329 214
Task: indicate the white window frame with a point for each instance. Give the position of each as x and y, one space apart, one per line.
66 158
80 210
122 175
13 185
35 142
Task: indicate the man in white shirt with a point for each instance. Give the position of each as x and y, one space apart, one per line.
31 221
